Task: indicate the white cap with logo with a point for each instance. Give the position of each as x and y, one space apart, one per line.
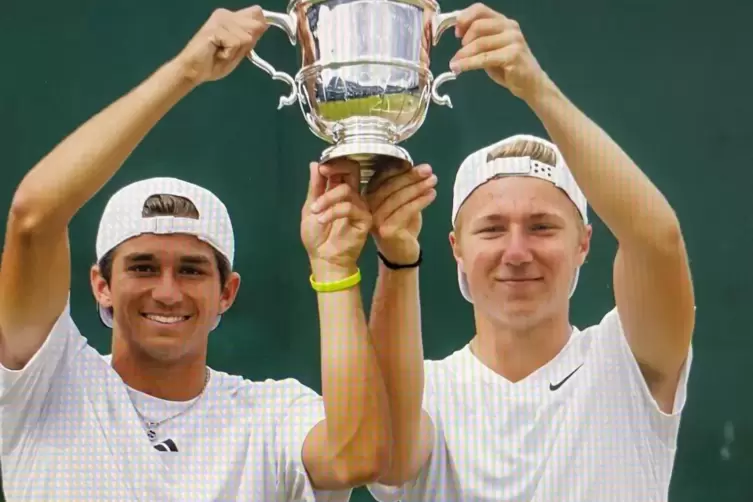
477 169
123 219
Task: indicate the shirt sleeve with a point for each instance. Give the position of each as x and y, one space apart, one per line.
614 343
302 409
24 392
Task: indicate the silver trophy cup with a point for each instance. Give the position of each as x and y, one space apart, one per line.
364 84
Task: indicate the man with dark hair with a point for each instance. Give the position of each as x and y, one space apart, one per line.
151 421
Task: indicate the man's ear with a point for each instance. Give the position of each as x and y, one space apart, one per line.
100 288
455 245
584 244
230 292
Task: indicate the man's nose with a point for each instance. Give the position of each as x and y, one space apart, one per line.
167 291
517 248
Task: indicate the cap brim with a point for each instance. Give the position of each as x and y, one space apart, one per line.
105 315
463 283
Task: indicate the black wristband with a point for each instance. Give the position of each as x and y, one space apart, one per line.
396 266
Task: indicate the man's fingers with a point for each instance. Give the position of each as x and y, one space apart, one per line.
348 169
331 197
226 42
386 172
488 43
482 28
251 20
404 198
499 58
349 209
317 184
236 33
253 12
472 14
389 185
406 211
245 39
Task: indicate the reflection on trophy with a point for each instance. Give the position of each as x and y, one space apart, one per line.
364 84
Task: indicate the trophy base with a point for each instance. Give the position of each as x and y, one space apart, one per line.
370 156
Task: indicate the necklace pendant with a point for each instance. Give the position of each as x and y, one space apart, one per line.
151 434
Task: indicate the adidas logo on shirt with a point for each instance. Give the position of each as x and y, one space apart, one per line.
166 445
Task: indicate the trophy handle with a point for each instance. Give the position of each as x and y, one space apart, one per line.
287 23
440 23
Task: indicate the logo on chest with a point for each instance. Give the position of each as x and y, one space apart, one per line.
556 386
166 445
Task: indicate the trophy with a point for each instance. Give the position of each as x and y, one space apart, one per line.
364 83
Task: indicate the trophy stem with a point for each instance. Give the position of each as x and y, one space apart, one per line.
371 142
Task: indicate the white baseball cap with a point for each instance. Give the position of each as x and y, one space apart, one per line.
123 219
477 169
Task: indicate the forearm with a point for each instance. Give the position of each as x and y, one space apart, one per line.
623 197
352 387
64 180
395 326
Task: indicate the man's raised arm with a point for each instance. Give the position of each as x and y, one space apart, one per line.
35 270
396 202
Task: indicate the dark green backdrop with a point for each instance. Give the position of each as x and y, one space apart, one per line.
667 79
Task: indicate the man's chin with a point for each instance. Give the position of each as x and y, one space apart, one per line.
163 348
514 307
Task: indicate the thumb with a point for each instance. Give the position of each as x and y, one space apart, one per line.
317 184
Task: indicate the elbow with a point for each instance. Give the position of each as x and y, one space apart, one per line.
360 473
29 216
668 239
656 238
365 466
24 218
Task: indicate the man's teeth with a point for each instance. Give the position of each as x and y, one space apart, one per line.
165 319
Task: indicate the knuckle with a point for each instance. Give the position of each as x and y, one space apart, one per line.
385 231
487 43
346 191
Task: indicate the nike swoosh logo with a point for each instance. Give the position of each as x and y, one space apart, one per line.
557 386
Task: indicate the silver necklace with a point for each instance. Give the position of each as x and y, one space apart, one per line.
151 427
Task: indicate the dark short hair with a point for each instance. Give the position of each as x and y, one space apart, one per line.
168 205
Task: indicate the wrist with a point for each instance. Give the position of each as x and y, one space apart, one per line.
404 253
325 271
184 73
386 265
543 94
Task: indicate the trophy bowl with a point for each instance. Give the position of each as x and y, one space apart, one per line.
364 83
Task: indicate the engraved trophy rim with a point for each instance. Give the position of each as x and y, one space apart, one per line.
432 4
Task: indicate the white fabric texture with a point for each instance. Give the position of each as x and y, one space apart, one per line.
599 437
70 432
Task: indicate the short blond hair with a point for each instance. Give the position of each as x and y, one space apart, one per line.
524 148
536 151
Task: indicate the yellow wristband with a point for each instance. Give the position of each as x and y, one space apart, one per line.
330 287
